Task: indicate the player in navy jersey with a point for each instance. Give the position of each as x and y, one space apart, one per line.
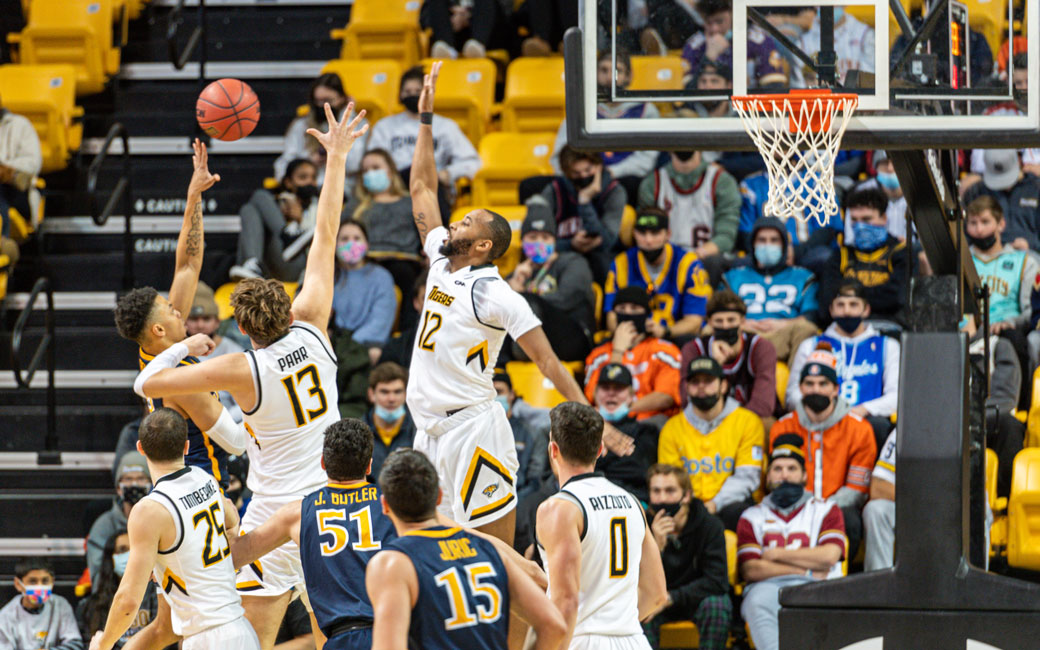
438 587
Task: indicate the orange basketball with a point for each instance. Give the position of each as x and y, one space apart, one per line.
227 109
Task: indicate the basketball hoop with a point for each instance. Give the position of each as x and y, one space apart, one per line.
798 137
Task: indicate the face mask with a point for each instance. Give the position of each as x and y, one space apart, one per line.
504 401
670 509
389 416
133 493
119 562
682 156
38 594
728 335
619 414
233 495
652 254
768 255
639 320
307 193
411 103
786 494
816 403
583 182
983 243
888 181
867 236
848 324
538 251
375 180
351 252
705 402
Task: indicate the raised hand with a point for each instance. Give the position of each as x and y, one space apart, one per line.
199 345
201 178
341 135
429 85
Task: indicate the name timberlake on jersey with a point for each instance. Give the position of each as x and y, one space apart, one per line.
198 497
292 359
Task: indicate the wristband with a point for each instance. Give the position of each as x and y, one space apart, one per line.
168 358
426 118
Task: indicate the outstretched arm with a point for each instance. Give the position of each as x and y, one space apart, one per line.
423 178
559 526
314 303
653 588
530 603
188 263
283 526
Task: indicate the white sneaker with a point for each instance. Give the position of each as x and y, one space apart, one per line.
248 269
474 49
442 50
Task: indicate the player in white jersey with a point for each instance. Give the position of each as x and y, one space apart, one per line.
286 387
879 515
604 568
178 533
467 313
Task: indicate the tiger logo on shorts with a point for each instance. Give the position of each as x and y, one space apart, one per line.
490 490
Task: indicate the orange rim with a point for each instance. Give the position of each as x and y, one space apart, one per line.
798 98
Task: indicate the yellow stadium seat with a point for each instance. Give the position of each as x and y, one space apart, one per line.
656 73
397 310
383 29
731 557
628 224
991 477
997 531
1024 511
373 84
222 296
989 18
680 634
529 383
534 97
782 374
465 93
597 292
77 32
1033 419
45 94
508 158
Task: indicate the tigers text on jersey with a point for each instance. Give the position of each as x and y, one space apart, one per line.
463 597
814 523
466 316
196 574
611 550
342 527
296 400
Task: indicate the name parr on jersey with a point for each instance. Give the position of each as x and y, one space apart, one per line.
610 502
290 360
198 497
438 296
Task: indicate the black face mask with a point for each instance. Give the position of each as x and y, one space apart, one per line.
682 156
670 509
410 103
233 495
652 254
706 402
848 324
583 182
728 335
133 493
307 193
816 403
639 320
786 494
983 243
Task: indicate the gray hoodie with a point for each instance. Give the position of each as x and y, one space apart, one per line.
52 626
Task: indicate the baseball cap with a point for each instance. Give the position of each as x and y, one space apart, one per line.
131 461
651 219
1002 168
204 303
539 218
788 445
704 366
615 373
632 295
821 362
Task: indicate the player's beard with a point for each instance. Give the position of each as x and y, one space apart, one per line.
455 247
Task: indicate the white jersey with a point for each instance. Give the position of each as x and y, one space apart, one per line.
885 468
691 213
611 550
196 574
816 522
296 400
466 316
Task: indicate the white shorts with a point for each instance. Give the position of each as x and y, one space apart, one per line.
474 452
603 642
233 635
278 571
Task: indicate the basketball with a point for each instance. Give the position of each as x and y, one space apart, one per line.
227 109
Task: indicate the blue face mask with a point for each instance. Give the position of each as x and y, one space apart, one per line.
376 180
389 416
867 236
620 413
119 562
538 252
768 255
888 181
504 401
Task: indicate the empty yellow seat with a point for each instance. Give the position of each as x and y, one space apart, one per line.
782 374
656 73
990 18
508 158
1024 511
374 84
222 296
383 29
680 634
465 93
534 96
45 94
529 383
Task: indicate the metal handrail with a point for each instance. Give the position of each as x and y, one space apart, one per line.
121 192
44 353
197 37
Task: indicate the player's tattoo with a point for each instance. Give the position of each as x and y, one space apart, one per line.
420 224
195 232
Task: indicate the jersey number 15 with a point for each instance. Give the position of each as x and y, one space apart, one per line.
462 606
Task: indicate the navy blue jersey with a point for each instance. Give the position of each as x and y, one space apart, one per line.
342 527
463 590
202 452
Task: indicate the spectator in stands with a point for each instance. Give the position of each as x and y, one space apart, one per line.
676 277
37 618
132 484
839 444
780 298
204 318
326 89
20 164
399 348
654 362
715 44
558 285
296 632
788 515
277 226
853 44
466 26
869 369
389 419
748 360
887 181
546 21
875 258
702 202
613 398
383 204
363 297
716 441
879 515
531 444
1016 192
92 611
627 167
693 552
587 205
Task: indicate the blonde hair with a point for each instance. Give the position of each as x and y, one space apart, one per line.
365 197
262 309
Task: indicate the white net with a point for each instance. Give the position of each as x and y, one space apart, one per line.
798 139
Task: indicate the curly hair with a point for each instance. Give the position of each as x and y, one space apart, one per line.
262 309
347 449
133 312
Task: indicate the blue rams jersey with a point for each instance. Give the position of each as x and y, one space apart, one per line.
861 367
202 452
681 288
789 293
754 191
463 590
342 527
